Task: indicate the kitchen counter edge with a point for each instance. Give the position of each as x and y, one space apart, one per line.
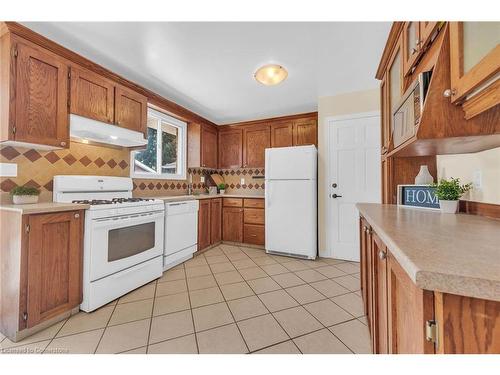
43 207
464 281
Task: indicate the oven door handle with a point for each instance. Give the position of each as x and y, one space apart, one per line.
120 221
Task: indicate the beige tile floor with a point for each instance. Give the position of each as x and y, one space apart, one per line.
228 300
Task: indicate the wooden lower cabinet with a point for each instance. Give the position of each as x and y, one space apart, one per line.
215 220
232 224
41 278
405 319
204 224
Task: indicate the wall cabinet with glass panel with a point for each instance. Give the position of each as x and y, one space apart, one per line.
475 65
165 154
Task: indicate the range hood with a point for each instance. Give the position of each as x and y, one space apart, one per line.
86 130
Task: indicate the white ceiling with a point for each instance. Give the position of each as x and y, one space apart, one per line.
208 67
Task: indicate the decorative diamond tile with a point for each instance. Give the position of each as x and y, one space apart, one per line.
99 162
52 157
9 152
151 186
172 186
142 186
49 185
231 186
250 186
232 173
184 186
85 161
69 159
7 185
123 164
238 172
134 186
32 183
32 155
250 172
178 186
238 186
158 185
244 172
112 163
165 185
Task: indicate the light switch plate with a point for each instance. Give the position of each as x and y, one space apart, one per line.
242 181
8 170
477 179
202 179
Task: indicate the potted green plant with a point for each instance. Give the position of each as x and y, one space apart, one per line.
222 188
24 195
449 192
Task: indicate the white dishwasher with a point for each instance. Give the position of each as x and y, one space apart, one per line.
181 232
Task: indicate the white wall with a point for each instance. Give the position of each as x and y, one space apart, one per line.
344 104
464 166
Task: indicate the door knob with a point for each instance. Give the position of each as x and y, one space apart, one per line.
381 255
334 185
336 196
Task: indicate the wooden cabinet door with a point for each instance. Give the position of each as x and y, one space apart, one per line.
92 96
232 224
255 141
215 220
394 80
387 190
305 132
426 30
370 275
411 45
408 309
208 146
41 97
380 336
474 56
131 109
55 251
230 148
282 134
363 242
385 126
204 225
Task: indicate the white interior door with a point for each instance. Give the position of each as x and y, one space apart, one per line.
354 176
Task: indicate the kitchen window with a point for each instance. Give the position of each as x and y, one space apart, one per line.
165 154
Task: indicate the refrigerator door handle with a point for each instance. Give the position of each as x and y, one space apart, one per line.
268 198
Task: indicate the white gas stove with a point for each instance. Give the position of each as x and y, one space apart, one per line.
123 241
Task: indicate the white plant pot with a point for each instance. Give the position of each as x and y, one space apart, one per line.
24 199
448 207
222 192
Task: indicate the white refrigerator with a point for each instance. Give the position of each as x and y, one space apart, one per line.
291 201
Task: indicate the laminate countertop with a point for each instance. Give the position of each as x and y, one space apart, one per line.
43 207
457 254
178 198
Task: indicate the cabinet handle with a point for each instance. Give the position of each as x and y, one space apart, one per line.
413 51
382 255
63 143
449 93
77 216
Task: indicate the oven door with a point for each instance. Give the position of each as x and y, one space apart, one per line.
121 242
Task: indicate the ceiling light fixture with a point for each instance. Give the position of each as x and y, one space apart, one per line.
271 74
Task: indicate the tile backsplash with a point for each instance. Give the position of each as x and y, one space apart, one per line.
37 168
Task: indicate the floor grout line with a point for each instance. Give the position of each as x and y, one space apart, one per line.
151 318
192 316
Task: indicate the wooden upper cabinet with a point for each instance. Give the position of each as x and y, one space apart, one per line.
54 266
230 148
204 225
282 134
385 126
40 97
474 58
92 96
255 141
426 30
208 146
131 109
394 81
305 132
411 45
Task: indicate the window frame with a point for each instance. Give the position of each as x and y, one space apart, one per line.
181 149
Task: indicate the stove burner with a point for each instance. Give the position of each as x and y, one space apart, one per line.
95 202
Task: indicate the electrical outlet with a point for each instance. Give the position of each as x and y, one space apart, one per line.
202 179
8 169
242 181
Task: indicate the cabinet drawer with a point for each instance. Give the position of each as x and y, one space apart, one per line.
254 234
253 216
253 203
233 202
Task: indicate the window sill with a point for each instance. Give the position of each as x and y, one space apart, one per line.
145 176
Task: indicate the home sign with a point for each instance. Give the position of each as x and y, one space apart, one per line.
423 196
